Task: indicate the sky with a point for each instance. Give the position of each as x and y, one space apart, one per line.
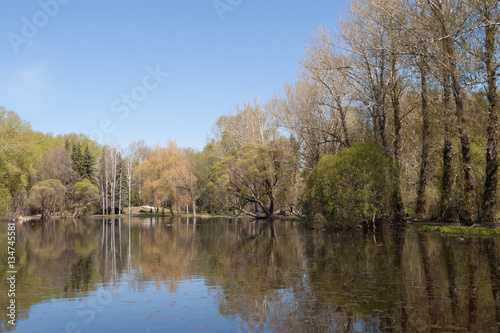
126 70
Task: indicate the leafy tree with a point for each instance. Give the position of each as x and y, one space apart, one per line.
202 163
57 164
47 197
356 184
5 200
258 174
186 177
84 197
17 156
166 177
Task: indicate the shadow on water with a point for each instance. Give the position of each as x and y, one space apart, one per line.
261 275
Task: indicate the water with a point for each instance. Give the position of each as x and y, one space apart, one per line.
223 275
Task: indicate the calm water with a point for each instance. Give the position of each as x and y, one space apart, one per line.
218 275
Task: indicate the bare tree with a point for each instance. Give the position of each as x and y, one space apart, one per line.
450 23
324 66
362 37
485 50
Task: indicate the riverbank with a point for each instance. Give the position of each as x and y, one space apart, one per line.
421 225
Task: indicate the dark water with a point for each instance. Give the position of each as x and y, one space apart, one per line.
218 275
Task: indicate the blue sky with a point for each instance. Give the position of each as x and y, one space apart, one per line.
153 70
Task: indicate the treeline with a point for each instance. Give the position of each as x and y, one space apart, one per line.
393 114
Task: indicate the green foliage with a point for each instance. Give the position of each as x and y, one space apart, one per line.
356 184
17 153
84 197
258 173
82 159
56 164
5 201
47 197
202 163
461 230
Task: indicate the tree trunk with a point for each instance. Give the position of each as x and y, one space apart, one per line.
398 200
113 179
491 181
469 215
129 171
103 195
447 179
469 207
120 195
426 133
106 181
344 124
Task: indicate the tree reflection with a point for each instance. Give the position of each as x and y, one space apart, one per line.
271 275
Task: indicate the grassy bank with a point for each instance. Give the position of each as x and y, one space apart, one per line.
462 230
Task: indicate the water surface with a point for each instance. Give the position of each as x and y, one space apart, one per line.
224 275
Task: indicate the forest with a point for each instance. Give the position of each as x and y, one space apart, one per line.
392 115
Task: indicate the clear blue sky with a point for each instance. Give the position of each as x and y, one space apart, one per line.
68 65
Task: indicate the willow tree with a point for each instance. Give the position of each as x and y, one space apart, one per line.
84 197
47 197
258 174
167 178
157 186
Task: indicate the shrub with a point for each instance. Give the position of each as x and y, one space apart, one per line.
356 184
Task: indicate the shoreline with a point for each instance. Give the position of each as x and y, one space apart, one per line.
431 226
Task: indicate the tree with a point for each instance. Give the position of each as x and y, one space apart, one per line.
202 162
47 197
88 161
160 176
486 52
84 197
186 178
252 123
451 21
17 157
368 74
134 154
57 164
108 178
324 66
311 128
258 174
5 201
356 184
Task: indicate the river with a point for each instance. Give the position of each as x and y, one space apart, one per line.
224 275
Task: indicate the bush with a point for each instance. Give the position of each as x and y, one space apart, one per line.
84 196
356 184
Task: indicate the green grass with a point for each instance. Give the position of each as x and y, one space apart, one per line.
462 230
301 219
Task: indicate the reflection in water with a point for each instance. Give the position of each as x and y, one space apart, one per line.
229 275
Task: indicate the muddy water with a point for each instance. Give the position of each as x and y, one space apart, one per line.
219 275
